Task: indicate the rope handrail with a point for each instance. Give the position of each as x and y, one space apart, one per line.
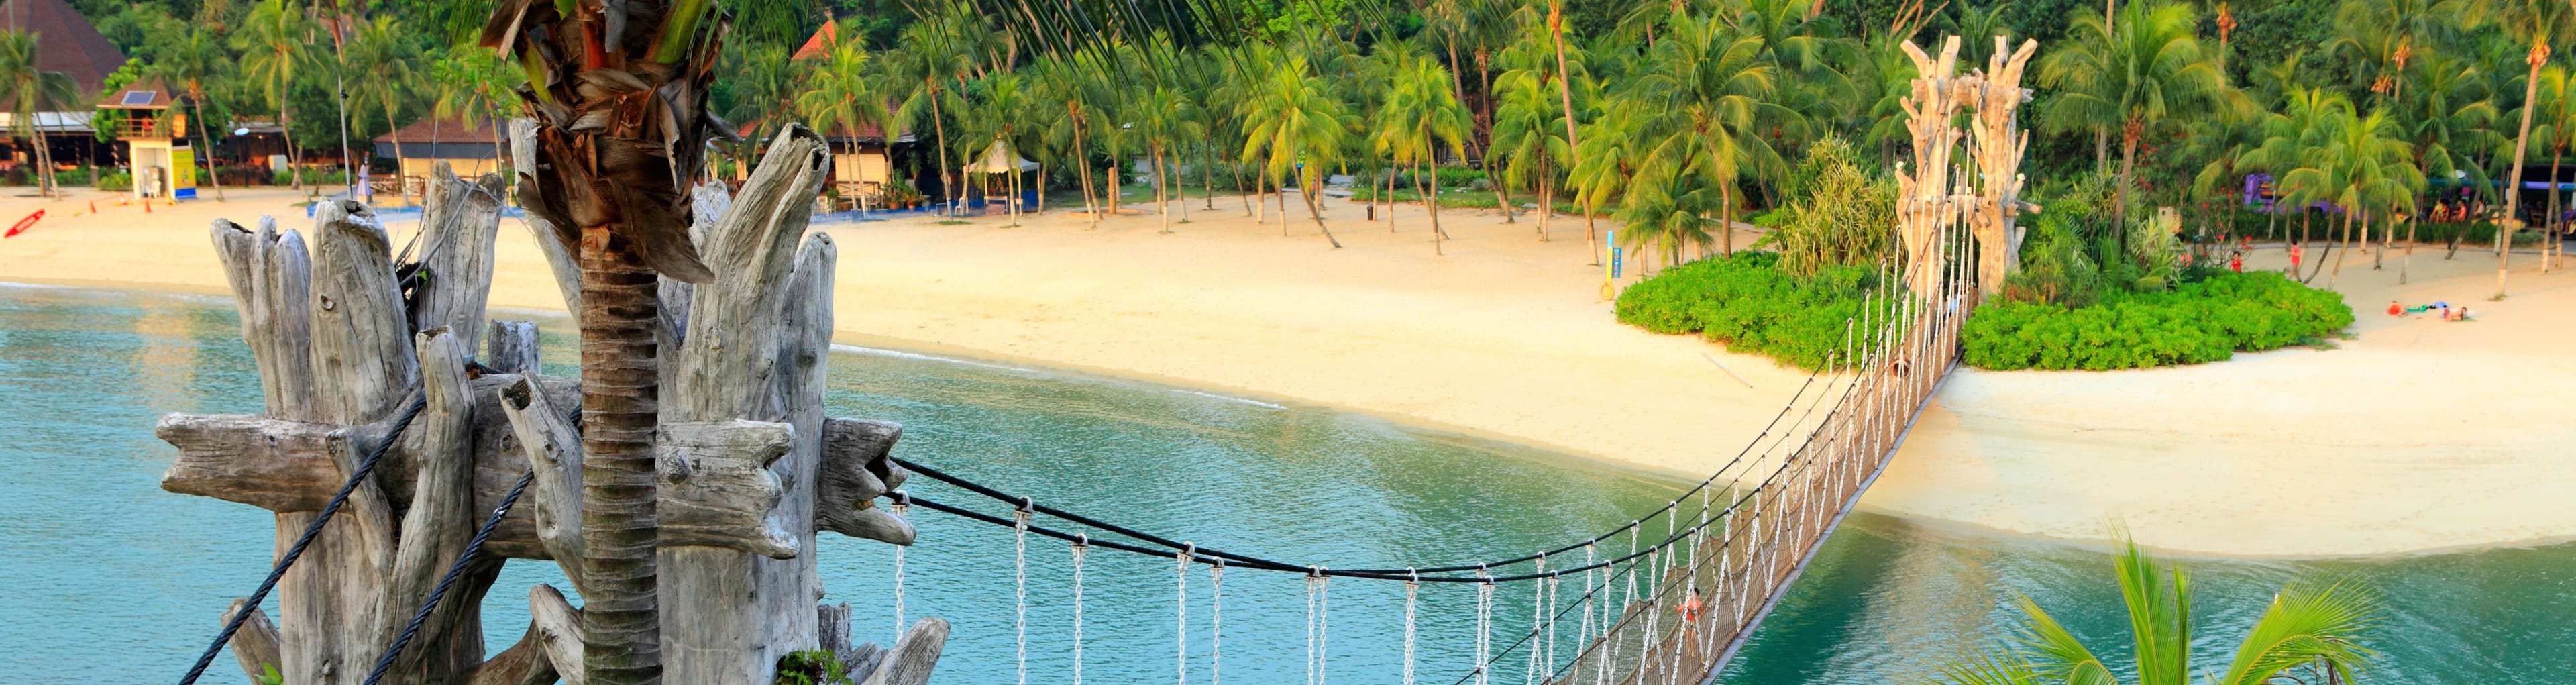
1168 543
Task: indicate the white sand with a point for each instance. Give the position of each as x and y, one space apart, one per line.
2418 435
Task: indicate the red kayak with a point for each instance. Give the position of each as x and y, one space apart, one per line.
23 224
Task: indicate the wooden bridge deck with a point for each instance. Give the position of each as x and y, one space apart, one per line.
1745 558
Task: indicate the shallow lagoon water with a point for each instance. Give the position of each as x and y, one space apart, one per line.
114 581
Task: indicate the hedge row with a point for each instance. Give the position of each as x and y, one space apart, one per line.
2204 321
1746 302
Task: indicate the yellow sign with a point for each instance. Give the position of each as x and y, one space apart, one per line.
183 173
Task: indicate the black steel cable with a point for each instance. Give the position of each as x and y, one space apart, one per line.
455 570
366 467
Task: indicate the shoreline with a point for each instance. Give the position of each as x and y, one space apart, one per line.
1505 339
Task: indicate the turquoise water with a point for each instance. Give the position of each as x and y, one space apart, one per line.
114 581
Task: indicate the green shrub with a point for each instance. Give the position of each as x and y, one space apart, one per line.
1839 216
811 667
2202 321
113 181
1748 303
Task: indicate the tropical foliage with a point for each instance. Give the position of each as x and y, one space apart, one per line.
2313 631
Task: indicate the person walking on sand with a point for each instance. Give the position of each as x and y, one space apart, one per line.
2296 252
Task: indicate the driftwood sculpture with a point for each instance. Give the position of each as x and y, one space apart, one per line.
748 467
1926 203
1987 197
1996 145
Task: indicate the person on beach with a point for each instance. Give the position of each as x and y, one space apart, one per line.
2395 309
2295 253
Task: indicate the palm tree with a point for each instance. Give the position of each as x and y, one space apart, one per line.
840 91
472 87
1076 116
2290 137
1527 133
615 196
2383 36
1164 118
2449 117
1711 110
381 51
1603 163
2558 132
1296 126
2535 23
192 62
276 43
1419 115
933 61
765 86
2136 75
2362 167
2309 626
1004 122
30 89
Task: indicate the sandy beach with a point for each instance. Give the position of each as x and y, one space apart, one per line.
2414 435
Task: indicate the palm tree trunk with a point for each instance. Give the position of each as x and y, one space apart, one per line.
2407 261
1177 188
1207 174
402 190
1546 205
2101 150
1458 85
2551 223
1306 188
1390 198
2128 170
44 164
620 376
1082 160
294 156
2521 144
939 127
1117 169
213 179
1162 199
1237 171
2347 246
1431 204
2379 256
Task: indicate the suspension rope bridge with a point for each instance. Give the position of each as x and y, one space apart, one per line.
1680 601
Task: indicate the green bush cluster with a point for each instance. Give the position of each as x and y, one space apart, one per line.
1455 197
1839 214
1748 303
114 181
2202 321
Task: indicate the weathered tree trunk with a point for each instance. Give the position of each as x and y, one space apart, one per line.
1997 146
1925 205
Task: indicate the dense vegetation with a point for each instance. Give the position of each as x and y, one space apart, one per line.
1748 302
2202 321
1668 118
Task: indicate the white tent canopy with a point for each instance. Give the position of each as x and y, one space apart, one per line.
997 160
